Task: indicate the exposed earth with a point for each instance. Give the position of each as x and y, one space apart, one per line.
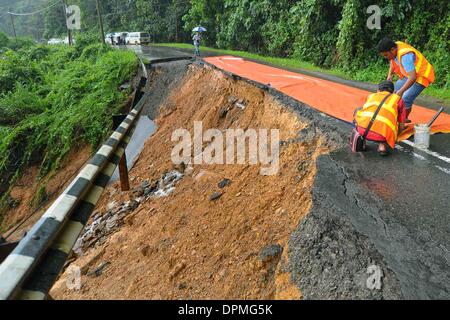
188 244
321 228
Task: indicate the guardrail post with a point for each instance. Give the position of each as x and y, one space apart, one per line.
123 169
123 172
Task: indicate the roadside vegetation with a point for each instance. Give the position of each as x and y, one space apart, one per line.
377 71
326 36
53 98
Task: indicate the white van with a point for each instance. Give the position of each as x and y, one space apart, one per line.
138 38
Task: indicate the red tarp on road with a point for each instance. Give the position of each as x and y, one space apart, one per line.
329 97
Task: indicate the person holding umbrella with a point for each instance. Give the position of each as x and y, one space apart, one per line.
197 38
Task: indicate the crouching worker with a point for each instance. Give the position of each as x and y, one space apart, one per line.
380 119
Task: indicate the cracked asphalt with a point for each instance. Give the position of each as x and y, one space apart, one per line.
400 222
389 212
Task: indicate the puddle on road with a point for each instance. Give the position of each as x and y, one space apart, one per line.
144 130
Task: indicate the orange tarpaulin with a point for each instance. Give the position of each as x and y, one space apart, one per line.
329 97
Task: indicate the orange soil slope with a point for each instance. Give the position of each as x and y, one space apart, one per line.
186 246
332 98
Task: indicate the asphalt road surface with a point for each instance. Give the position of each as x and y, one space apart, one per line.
440 143
398 205
154 53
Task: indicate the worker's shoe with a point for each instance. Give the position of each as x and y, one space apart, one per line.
383 149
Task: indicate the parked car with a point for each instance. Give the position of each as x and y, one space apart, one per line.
138 38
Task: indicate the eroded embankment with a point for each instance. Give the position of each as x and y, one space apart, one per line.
32 193
56 109
223 231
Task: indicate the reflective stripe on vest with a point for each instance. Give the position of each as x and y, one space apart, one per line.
424 69
388 122
385 123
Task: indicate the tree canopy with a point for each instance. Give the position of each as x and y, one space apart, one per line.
328 33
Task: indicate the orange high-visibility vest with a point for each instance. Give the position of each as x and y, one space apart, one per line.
424 69
385 123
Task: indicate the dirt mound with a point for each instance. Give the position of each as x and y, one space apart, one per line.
222 231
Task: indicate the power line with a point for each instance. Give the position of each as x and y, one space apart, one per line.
35 12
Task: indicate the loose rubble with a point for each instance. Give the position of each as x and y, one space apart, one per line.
103 225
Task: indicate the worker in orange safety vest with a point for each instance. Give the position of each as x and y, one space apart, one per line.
415 72
389 121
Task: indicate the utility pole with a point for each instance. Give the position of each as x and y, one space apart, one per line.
100 20
69 32
14 28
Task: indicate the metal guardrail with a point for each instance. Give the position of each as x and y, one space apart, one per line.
31 269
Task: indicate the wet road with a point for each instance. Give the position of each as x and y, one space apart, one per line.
400 203
440 143
155 53
429 102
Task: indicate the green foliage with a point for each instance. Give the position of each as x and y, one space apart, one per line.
316 30
37 53
349 29
19 104
40 197
15 69
21 43
438 51
4 40
86 39
59 99
207 13
4 131
54 23
327 33
93 51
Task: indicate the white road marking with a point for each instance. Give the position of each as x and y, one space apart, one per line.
447 171
398 147
431 153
